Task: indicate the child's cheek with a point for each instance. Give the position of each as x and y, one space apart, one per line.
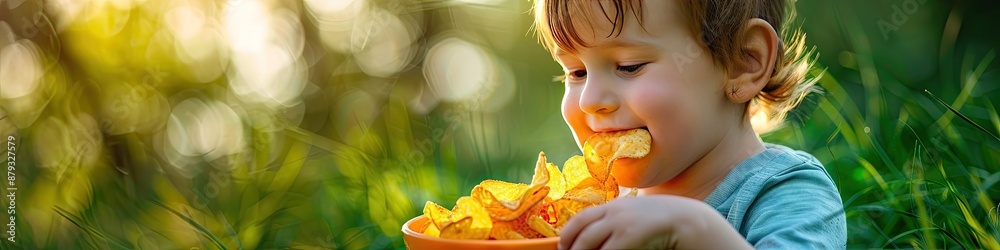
573 115
653 103
661 106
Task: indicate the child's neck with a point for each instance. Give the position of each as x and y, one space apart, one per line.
702 177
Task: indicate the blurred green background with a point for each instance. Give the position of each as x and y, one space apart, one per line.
314 124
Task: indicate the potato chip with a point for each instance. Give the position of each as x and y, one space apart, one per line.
508 194
513 235
541 176
519 225
541 226
596 162
432 230
557 184
548 174
633 192
459 229
481 224
574 171
515 229
440 216
503 210
505 201
548 213
586 194
468 220
566 209
602 149
611 188
588 191
505 230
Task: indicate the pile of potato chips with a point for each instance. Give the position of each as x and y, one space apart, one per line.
501 210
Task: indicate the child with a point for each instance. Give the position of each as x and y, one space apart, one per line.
701 77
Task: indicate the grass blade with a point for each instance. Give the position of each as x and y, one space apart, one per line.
200 228
944 231
86 228
834 157
232 233
980 232
993 115
960 115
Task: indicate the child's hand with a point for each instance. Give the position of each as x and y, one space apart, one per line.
659 222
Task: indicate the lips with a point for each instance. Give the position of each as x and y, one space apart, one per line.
615 129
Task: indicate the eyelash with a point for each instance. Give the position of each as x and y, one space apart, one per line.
630 69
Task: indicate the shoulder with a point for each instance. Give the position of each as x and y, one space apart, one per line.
795 179
790 167
780 167
797 203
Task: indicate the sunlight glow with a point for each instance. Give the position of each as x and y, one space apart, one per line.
266 54
456 69
208 129
20 69
382 44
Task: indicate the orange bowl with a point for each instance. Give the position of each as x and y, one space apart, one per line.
416 240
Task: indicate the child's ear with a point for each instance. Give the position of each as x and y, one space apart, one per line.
753 68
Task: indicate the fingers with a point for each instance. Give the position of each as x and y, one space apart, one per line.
625 240
576 225
593 236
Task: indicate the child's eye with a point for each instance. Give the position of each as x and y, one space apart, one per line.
576 74
632 68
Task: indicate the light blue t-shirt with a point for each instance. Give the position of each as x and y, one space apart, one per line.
782 198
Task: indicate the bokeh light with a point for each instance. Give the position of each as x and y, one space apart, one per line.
266 49
19 68
383 43
131 107
206 129
198 42
70 142
335 20
456 69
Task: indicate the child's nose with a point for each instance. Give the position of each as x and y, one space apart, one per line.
598 97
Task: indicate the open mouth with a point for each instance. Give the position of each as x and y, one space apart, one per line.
605 150
612 131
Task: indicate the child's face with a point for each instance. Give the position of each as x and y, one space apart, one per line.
656 76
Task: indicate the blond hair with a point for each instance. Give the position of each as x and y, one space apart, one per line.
718 24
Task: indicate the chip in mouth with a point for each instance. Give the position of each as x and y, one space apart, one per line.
603 149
